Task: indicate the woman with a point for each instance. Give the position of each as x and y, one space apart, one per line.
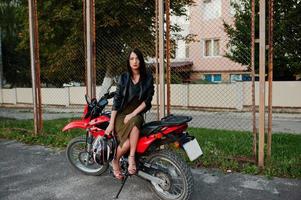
133 98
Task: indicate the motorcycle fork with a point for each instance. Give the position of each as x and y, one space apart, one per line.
89 140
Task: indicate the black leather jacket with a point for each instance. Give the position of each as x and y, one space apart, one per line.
146 91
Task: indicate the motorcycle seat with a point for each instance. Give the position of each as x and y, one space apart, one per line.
170 120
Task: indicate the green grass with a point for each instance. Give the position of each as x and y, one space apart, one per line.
232 150
226 150
22 130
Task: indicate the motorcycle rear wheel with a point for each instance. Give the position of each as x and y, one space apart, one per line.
81 160
177 176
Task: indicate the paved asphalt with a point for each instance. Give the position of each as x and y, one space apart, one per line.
37 172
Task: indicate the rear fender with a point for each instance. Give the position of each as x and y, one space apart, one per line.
81 124
144 143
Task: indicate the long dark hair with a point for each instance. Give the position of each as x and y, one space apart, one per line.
142 68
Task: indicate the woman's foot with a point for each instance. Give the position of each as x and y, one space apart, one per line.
132 165
116 170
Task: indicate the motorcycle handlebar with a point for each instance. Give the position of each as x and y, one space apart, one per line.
95 106
111 95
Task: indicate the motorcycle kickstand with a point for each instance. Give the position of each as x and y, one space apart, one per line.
123 182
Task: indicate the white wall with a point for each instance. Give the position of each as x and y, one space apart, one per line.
235 95
9 96
24 95
77 95
55 96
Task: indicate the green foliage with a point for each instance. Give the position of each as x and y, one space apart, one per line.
15 62
250 169
239 33
120 26
287 36
175 78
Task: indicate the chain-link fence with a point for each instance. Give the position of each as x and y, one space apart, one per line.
211 71
62 54
210 49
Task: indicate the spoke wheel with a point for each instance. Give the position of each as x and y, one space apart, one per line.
82 160
176 175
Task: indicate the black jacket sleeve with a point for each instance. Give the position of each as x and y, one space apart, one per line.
118 95
150 93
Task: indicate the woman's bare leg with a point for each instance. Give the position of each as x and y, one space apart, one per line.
134 136
115 162
122 150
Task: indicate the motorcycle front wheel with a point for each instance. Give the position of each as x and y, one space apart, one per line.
82 160
176 176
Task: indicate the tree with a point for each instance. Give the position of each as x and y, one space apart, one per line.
60 40
15 63
120 26
287 37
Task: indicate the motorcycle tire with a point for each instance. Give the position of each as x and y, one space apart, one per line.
177 176
78 158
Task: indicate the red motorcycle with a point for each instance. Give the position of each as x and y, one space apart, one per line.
169 176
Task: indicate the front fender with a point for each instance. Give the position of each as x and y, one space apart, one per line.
76 124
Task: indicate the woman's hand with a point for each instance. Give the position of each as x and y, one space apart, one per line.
128 118
109 129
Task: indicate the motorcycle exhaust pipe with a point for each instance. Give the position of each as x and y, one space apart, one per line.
149 177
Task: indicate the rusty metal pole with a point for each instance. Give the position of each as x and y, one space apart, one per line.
262 49
38 71
35 65
85 41
89 49
270 77
161 59
93 31
157 58
167 14
253 78
1 66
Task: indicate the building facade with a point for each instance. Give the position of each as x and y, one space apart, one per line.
207 51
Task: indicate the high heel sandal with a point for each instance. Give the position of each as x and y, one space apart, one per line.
117 172
132 165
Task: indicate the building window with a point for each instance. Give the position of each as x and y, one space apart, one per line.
246 77
235 77
240 77
187 51
211 47
212 9
208 48
216 47
215 78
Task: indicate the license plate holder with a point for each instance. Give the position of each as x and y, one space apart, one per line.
193 149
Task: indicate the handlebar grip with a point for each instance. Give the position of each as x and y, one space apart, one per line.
111 95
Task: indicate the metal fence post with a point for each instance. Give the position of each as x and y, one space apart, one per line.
253 78
270 77
262 49
161 60
35 65
157 59
1 63
90 49
167 11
